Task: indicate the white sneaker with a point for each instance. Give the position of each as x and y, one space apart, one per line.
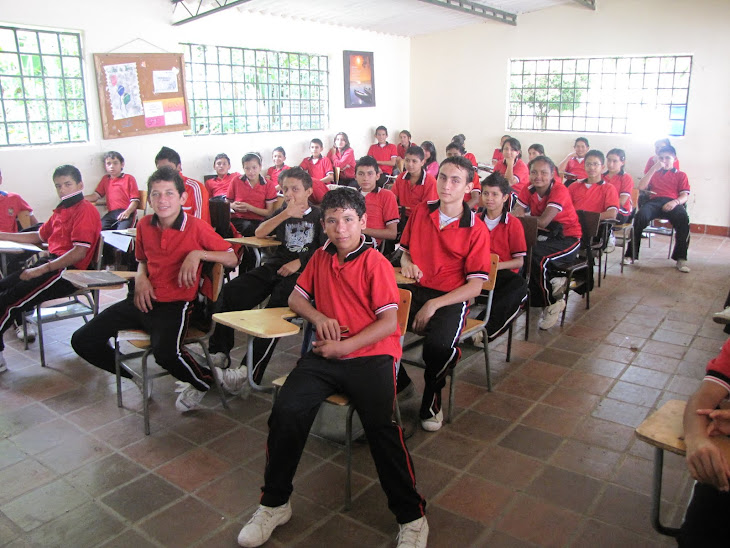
559 284
413 534
722 317
433 424
611 244
232 380
30 331
3 365
221 360
189 397
259 528
478 339
682 266
628 261
551 314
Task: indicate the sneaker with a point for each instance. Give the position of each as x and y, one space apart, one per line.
433 424
138 381
551 315
407 393
189 397
478 339
232 380
3 365
682 266
722 317
611 245
220 360
559 284
628 261
30 332
413 534
259 528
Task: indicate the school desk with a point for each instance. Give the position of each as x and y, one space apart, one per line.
256 244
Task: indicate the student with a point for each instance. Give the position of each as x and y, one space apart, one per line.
558 239
593 193
705 521
197 195
358 343
279 158
472 198
431 164
320 170
538 150
122 195
497 154
380 203
512 167
446 250
460 140
654 159
171 247
405 143
251 196
384 153
413 186
669 190
621 181
506 239
341 155
573 162
218 186
72 234
297 226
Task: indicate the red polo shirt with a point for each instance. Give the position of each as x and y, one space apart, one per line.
576 167
597 197
558 197
718 368
623 184
519 170
258 195
164 251
74 222
341 159
353 293
383 154
473 159
497 155
652 160
507 239
218 186
401 151
382 209
119 191
10 205
318 169
668 184
273 173
476 184
448 256
409 194
197 202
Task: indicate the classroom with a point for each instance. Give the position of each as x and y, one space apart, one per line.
548 457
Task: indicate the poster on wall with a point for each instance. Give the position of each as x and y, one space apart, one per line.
359 76
122 85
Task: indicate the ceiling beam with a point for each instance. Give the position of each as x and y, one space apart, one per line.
195 9
480 10
587 3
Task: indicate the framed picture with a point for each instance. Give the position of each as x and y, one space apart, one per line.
359 76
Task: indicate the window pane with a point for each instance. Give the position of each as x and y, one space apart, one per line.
49 44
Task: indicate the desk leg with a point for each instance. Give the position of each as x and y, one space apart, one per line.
249 366
656 499
4 264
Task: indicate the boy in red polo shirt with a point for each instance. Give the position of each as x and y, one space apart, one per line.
217 187
252 197
279 157
171 246
669 189
593 193
72 234
380 203
320 170
355 352
120 189
572 166
446 250
385 153
471 198
197 202
10 205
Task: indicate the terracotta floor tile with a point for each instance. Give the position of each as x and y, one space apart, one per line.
543 371
501 540
625 508
558 357
565 489
234 493
466 393
478 426
522 387
73 452
343 532
43 504
143 496
122 432
431 477
475 498
582 458
632 342
645 377
10 454
610 435
198 519
538 522
98 414
709 345
506 467
239 445
655 362
504 406
129 537
194 469
683 385
585 332
325 485
18 420
634 393
203 426
572 399
672 337
664 349
574 344
81 527
614 353
699 357
23 477
42 437
158 448
624 413
450 448
636 473
551 419
531 442
587 382
599 366
447 530
596 533
370 508
101 476
626 327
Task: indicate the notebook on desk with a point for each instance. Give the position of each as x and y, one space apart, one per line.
93 278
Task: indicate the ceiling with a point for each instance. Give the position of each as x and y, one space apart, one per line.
398 17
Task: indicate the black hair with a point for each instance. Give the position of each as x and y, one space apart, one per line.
343 198
664 142
316 141
67 170
367 161
582 139
505 136
670 149
538 147
455 145
221 156
347 139
462 163
385 129
166 153
279 149
405 132
596 154
114 155
296 173
459 139
621 156
166 174
514 144
545 159
429 146
251 156
415 150
498 180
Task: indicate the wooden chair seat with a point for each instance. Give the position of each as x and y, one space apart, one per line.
472 327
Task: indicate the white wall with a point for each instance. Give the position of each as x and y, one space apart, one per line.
107 24
459 83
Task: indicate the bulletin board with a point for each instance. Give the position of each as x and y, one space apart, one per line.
141 93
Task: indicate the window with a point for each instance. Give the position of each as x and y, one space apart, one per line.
600 94
42 97
238 90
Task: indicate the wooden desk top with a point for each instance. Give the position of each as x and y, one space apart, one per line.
400 279
266 323
664 429
9 247
253 241
96 279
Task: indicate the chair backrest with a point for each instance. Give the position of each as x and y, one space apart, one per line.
400 163
97 263
494 263
220 216
635 198
142 205
589 223
337 175
529 224
216 279
404 309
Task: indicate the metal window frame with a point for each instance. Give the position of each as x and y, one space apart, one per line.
519 112
284 102
28 100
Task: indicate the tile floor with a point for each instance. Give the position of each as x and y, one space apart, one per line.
549 458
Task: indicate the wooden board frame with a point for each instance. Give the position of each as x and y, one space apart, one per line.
171 103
